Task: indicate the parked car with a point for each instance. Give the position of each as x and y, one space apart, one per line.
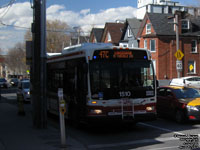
3 83
193 81
178 102
24 90
13 82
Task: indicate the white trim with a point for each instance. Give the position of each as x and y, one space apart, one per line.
129 32
155 45
109 37
195 48
148 31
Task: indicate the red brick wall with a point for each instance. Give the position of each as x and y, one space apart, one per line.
186 48
165 53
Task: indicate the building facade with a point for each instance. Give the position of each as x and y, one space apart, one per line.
129 36
158 34
163 7
112 33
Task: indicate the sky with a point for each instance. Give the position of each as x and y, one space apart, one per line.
76 13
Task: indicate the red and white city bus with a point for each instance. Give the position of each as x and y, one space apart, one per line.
102 82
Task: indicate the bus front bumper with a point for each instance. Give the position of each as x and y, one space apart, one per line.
121 118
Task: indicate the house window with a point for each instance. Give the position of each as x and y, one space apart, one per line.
191 66
109 37
194 46
152 45
130 34
148 28
185 24
145 44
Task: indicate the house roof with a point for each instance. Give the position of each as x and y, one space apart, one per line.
97 32
163 24
115 30
134 24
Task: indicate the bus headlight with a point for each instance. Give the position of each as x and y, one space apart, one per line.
150 108
96 111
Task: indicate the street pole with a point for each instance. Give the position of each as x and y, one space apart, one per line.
177 41
39 64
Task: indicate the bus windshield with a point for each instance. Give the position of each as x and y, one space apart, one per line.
116 79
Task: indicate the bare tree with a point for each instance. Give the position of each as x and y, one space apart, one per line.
57 36
16 59
28 36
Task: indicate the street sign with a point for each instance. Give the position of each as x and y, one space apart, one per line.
179 65
179 54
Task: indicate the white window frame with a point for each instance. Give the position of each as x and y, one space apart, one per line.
151 45
148 28
192 62
145 44
109 37
129 32
185 24
194 49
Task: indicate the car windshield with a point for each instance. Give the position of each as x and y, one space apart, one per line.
186 93
2 80
14 80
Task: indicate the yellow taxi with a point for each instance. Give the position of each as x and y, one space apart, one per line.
178 102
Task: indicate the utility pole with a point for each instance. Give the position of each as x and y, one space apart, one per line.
178 54
39 64
177 45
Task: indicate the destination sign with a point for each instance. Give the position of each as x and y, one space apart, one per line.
120 54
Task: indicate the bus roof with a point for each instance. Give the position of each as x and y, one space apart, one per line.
86 46
86 49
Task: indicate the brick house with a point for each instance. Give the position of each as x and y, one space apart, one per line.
95 35
112 33
157 33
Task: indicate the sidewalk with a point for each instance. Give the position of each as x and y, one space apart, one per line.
17 132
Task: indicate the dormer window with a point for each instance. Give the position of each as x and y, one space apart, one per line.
148 28
130 34
185 24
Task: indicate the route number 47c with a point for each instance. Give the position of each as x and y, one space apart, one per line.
124 93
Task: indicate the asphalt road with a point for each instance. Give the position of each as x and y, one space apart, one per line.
162 134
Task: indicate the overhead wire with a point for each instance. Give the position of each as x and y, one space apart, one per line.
9 3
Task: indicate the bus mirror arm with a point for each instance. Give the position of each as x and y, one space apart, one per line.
157 83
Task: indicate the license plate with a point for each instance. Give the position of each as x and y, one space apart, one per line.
114 113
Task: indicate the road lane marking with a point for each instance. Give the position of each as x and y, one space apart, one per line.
162 148
163 129
165 139
132 142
